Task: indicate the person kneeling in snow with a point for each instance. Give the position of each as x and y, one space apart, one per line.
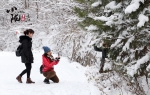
48 66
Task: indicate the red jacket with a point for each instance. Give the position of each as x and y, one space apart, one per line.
47 64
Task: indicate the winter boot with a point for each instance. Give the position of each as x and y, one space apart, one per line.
46 81
19 79
101 71
29 81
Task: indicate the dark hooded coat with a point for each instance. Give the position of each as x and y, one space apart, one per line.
103 50
26 53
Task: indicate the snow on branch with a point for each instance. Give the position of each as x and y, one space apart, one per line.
91 28
102 18
134 5
117 42
148 68
133 69
113 6
120 38
95 4
127 45
109 20
142 19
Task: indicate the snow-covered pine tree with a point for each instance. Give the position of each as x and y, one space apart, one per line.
127 29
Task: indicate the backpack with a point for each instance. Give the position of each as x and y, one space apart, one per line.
41 68
18 51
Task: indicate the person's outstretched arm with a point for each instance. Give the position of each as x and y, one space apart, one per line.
97 49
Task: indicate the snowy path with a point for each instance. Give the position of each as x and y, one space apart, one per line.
71 75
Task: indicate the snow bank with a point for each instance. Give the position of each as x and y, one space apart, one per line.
71 75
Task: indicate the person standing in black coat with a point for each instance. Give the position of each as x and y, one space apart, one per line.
26 54
104 50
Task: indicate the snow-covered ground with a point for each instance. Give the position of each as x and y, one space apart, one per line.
72 78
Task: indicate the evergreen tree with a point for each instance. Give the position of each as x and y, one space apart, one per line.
127 35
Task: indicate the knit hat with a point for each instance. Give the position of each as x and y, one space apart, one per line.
46 49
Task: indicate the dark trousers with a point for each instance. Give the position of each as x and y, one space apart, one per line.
27 70
51 75
102 64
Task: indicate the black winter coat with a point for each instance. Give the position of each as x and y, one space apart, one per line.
103 50
26 53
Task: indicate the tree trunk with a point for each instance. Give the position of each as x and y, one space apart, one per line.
37 10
